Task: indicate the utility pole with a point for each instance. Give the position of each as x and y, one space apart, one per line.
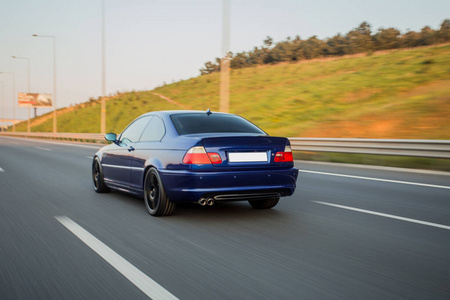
3 106
225 61
103 101
28 63
55 130
14 98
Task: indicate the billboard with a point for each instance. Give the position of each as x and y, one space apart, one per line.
35 100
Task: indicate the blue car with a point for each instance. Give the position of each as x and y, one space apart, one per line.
168 157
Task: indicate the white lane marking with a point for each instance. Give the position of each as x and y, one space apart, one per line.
90 157
385 215
383 168
1 170
147 285
57 143
46 149
378 179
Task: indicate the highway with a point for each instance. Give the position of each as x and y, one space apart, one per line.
347 233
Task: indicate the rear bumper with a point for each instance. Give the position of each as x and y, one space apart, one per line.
188 186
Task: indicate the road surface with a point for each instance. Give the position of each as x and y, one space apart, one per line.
347 233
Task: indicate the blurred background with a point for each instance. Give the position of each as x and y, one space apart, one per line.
365 69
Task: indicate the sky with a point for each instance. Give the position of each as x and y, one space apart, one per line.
152 42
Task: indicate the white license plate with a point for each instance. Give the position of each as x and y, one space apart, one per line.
247 156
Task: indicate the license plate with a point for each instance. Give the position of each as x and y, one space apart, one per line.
247 156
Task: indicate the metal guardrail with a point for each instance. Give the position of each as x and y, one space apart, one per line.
414 148
62 136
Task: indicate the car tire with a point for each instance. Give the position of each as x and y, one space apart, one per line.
264 204
155 197
98 178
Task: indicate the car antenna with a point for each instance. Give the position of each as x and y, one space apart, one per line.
208 112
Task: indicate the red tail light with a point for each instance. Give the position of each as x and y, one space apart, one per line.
285 156
198 156
215 158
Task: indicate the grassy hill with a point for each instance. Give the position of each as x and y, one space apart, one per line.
389 94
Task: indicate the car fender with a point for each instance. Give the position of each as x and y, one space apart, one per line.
153 162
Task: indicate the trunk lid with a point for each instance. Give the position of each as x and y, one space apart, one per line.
243 152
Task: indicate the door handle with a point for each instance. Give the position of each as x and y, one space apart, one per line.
130 149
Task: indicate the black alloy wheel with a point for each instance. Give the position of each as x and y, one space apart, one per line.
155 197
265 203
97 177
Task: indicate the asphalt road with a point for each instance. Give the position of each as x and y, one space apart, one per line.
385 239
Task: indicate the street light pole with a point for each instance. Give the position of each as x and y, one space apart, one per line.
55 130
14 98
28 61
225 61
3 106
103 101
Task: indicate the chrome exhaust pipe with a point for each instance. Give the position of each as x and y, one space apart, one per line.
210 201
202 201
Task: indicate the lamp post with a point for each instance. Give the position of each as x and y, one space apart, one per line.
14 98
103 102
3 106
28 62
225 61
54 79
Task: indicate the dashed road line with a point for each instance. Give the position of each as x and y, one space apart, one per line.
1 170
147 285
372 167
378 179
385 215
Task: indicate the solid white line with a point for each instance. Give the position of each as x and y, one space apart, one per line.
73 144
46 149
147 285
385 215
378 179
1 170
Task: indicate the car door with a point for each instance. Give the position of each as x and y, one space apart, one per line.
149 146
117 168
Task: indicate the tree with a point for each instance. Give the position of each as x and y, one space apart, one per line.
313 47
410 39
337 45
360 39
297 49
268 42
240 60
281 52
387 39
428 36
444 31
210 67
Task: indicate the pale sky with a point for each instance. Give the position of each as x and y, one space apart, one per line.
149 42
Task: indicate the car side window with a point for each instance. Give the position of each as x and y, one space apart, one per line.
134 131
154 131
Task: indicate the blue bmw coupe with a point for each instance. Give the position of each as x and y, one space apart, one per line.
169 157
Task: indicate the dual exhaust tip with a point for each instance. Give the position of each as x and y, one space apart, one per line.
206 201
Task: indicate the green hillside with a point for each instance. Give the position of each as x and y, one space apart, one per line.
390 94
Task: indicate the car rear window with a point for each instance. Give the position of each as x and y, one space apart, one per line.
193 123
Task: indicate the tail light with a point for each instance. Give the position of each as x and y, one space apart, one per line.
198 156
285 156
215 158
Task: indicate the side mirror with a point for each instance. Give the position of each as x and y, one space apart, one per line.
111 137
